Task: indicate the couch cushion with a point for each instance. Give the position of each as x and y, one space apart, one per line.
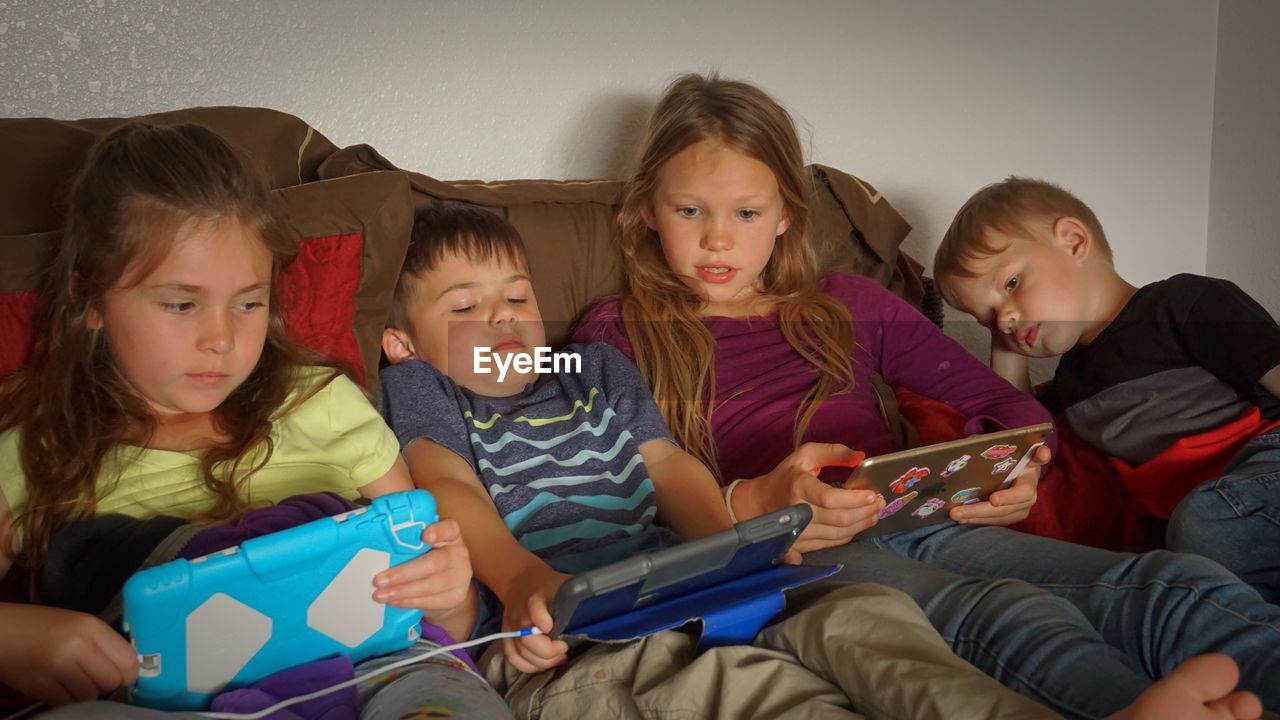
42 155
568 227
336 294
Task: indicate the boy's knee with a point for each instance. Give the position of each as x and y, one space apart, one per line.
1196 520
866 601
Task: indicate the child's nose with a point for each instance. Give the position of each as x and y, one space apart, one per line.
1007 320
503 312
717 237
216 333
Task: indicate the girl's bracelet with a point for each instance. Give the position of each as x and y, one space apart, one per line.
728 500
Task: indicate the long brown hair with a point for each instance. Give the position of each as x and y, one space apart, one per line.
72 405
674 350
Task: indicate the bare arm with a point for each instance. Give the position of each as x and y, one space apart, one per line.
521 580
499 557
1270 381
689 499
1011 366
396 479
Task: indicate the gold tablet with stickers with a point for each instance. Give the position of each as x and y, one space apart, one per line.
921 485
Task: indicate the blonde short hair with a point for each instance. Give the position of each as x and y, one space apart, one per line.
1014 207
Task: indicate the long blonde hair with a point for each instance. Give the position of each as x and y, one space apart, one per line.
72 405
674 351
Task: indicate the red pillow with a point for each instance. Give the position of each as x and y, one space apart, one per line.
317 292
17 310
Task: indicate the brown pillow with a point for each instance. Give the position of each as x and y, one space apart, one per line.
42 155
569 226
336 294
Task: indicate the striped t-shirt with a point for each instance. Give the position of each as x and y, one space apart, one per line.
561 460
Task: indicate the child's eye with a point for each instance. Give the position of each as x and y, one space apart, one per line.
748 214
251 305
178 307
517 301
463 310
1012 283
687 212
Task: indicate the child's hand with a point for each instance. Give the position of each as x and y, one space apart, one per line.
1008 506
60 656
838 514
527 604
437 582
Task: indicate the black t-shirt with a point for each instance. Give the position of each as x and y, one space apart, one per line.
1184 356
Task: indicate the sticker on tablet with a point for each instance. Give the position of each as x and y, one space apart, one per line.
908 478
995 452
1003 466
956 465
967 496
896 505
930 506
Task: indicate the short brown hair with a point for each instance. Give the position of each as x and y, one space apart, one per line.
1014 207
449 228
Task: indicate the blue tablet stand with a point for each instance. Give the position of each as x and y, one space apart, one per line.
731 614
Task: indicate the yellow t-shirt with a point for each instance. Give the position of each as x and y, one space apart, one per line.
334 441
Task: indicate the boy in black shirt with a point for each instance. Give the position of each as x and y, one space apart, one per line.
1178 370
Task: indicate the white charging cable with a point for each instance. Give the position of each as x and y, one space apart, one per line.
334 688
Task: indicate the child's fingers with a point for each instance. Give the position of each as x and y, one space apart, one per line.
75 686
444 532
1020 493
540 614
514 653
1043 456
51 692
823 495
534 653
845 522
117 651
813 456
984 513
101 672
447 565
429 596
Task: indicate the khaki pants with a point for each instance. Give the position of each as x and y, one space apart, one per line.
838 651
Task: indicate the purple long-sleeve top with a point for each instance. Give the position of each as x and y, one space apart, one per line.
761 379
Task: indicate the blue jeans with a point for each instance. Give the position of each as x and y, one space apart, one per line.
1235 519
1081 630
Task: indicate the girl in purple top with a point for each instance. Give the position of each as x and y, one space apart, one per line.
762 368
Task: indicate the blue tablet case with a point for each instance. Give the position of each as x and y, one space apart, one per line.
730 614
231 618
731 582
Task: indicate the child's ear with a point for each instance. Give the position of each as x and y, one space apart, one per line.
784 223
397 346
92 319
1073 236
646 212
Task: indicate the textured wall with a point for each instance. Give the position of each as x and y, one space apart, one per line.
928 99
1244 215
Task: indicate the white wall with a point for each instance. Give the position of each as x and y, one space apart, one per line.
927 99
1244 196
